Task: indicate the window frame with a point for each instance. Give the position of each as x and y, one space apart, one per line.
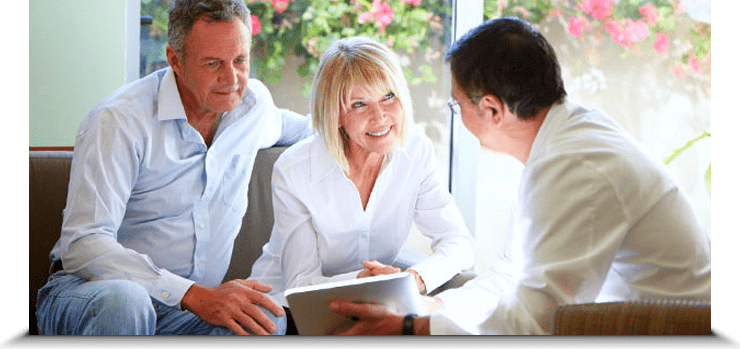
464 147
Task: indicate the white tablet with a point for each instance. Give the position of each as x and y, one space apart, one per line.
309 305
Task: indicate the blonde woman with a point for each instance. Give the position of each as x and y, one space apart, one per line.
345 199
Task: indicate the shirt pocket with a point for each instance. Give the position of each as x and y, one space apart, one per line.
236 183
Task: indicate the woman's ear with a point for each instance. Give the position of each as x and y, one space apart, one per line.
492 109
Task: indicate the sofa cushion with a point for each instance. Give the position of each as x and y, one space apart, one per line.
48 184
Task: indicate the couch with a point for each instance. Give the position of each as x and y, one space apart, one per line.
48 181
49 177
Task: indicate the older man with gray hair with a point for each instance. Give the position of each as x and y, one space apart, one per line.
158 189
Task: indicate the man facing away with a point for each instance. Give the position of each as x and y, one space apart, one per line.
597 219
158 189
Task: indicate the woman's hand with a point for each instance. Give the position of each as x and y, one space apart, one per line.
374 268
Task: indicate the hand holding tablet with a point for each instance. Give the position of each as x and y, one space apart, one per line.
310 304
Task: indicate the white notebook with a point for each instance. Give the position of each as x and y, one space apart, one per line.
309 305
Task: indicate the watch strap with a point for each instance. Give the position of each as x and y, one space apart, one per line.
408 324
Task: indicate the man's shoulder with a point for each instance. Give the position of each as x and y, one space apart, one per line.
138 94
258 88
295 153
134 101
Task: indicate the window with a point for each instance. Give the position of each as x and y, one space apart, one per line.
657 86
645 63
288 36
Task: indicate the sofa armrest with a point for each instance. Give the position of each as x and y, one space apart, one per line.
48 180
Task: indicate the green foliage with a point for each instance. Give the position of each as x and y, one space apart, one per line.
678 151
307 28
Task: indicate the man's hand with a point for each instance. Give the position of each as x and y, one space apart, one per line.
375 319
234 305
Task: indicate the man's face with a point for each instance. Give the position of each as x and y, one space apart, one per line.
214 72
469 111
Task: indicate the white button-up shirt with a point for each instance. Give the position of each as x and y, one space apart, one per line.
323 234
597 220
148 201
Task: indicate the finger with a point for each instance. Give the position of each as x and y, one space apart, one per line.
256 285
361 310
267 303
256 321
234 327
385 270
371 264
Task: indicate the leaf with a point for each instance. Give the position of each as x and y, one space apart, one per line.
708 179
688 144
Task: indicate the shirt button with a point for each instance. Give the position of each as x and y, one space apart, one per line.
165 294
202 225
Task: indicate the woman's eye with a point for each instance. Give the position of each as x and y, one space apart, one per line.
389 95
358 104
211 64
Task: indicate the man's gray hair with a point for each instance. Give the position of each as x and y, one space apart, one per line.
184 13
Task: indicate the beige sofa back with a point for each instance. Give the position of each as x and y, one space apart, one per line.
48 182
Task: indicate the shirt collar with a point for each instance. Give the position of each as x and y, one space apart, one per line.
555 118
170 105
322 163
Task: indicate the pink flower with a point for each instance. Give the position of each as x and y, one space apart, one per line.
693 62
636 31
577 25
587 5
384 14
280 5
649 13
256 25
599 9
603 9
661 43
390 42
413 2
381 12
617 34
365 17
554 13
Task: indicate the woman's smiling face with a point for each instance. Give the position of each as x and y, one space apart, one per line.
372 121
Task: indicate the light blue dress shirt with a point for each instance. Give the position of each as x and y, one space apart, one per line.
149 201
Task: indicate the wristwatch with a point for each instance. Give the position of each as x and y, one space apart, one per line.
408 324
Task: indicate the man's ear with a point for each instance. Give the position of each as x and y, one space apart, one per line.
174 60
492 109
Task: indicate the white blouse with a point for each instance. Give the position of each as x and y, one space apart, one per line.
322 233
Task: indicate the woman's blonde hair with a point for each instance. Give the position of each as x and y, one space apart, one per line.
354 60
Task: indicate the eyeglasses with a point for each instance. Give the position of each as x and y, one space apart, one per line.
454 104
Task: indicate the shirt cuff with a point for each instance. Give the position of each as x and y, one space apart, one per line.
170 289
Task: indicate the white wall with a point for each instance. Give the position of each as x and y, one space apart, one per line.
76 58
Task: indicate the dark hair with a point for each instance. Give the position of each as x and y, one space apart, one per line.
508 58
184 13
